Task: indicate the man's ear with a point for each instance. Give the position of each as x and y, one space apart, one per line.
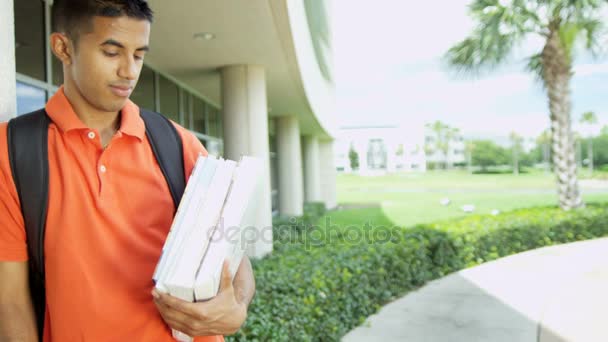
62 47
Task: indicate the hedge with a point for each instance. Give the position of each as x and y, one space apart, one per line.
321 282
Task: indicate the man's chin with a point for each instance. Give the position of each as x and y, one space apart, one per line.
114 106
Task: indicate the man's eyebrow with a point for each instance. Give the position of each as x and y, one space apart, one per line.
119 45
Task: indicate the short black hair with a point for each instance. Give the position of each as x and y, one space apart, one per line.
74 17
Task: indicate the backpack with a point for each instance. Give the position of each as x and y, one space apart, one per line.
28 156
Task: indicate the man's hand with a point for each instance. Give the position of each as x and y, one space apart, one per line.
221 315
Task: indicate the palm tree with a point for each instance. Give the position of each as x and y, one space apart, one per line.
562 25
469 147
516 145
451 134
544 141
590 119
440 129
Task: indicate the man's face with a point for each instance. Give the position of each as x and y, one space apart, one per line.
107 61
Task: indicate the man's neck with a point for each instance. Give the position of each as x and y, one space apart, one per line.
105 123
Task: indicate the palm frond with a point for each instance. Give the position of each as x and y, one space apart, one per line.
535 66
594 30
499 30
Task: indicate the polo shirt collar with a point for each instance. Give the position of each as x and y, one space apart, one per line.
61 112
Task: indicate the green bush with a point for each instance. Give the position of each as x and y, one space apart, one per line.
330 278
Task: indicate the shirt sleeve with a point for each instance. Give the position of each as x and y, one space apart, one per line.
13 245
193 148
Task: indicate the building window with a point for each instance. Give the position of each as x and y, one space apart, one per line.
143 94
169 99
30 38
185 109
212 117
198 115
29 98
274 174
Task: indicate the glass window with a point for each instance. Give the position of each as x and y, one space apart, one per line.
29 98
198 116
212 117
185 108
169 99
143 94
29 38
220 126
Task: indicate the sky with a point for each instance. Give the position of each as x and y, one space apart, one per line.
388 71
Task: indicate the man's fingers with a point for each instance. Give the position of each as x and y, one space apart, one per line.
226 281
176 303
176 319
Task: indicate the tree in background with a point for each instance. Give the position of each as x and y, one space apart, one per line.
516 150
353 157
544 142
444 135
578 153
469 147
451 133
439 143
486 153
562 24
600 150
590 119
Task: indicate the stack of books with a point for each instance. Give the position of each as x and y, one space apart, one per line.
219 202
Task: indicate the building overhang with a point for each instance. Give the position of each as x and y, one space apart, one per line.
273 34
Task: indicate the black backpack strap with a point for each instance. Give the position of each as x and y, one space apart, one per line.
167 146
28 156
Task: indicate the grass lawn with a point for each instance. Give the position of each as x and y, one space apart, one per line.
408 199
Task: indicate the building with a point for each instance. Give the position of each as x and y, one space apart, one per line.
436 156
247 77
381 149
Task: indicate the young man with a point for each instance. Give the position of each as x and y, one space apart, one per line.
110 207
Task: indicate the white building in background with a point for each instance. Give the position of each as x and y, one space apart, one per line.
381 149
456 149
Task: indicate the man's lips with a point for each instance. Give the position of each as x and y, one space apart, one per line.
122 91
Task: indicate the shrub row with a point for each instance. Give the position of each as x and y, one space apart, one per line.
323 281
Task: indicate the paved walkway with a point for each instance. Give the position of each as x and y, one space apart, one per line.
551 294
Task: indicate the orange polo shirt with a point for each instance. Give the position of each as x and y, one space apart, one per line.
108 215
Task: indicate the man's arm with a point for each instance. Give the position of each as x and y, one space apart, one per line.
17 318
244 282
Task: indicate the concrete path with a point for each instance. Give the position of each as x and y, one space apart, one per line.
552 294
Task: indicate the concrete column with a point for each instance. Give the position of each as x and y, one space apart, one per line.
312 168
8 82
245 118
328 173
291 197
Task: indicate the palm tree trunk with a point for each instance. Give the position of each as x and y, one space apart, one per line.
557 75
546 156
515 162
590 155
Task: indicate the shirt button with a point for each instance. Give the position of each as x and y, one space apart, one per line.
103 169
91 135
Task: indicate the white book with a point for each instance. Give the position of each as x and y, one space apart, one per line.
227 242
183 208
193 199
182 274
188 223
